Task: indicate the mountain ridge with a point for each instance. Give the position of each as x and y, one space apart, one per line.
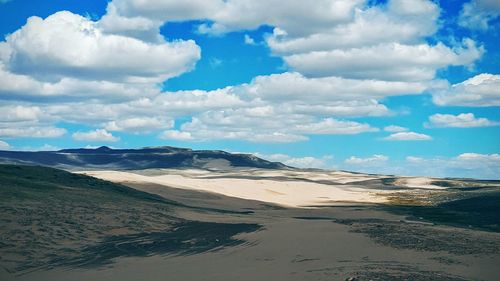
141 158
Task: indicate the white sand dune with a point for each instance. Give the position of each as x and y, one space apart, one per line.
417 182
289 192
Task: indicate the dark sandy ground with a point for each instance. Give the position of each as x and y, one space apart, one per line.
203 236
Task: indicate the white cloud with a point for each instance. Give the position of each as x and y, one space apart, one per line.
392 61
266 125
139 27
348 56
376 158
4 145
25 87
248 14
477 14
192 102
395 129
302 105
19 113
480 90
306 162
399 21
463 120
465 165
166 10
229 15
176 135
408 136
323 162
414 159
228 128
249 40
295 86
65 44
32 132
471 165
382 42
331 126
477 156
98 135
139 124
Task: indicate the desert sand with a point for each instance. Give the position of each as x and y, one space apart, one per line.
195 234
286 192
299 188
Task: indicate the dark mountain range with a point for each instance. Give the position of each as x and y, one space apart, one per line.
144 158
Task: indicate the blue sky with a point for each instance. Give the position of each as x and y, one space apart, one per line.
401 87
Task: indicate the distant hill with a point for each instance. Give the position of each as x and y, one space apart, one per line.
144 158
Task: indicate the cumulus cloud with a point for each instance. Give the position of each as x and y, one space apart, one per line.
176 135
463 120
24 87
285 99
139 124
331 126
65 44
352 34
67 57
376 158
232 15
414 159
19 113
4 145
472 165
295 86
246 14
465 165
392 61
478 91
139 27
395 129
477 14
384 42
408 136
323 162
398 21
208 129
475 156
98 135
32 132
166 10
347 58
266 125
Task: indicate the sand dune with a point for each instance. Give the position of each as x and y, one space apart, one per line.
287 192
418 182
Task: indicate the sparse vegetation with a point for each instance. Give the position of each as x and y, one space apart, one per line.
54 218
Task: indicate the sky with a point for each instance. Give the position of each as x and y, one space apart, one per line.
405 87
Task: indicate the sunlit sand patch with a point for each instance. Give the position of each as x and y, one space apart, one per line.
419 182
292 193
